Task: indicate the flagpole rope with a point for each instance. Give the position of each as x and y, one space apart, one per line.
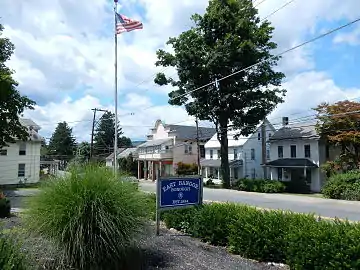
116 90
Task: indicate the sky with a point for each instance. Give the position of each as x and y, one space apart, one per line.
64 58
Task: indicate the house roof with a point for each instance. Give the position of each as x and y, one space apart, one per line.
296 131
189 132
127 152
214 143
292 162
111 156
210 162
29 123
155 142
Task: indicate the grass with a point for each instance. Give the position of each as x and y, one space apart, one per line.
90 215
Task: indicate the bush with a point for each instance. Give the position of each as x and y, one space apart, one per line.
299 240
92 216
260 185
11 257
340 186
212 223
186 169
180 219
5 206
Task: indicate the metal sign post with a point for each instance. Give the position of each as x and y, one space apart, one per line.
177 192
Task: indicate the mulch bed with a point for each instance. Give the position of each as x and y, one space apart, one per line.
171 250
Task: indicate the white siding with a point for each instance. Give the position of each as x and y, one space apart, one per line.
9 164
314 149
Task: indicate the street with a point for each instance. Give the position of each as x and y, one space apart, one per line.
296 203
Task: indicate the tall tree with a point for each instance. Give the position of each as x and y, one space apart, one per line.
83 151
339 124
105 135
62 142
226 39
12 103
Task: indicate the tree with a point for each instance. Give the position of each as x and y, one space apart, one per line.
105 135
226 39
83 152
12 103
186 169
62 142
339 125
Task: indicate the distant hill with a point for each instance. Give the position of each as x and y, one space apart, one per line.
137 143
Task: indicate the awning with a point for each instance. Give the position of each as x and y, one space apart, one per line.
236 163
210 162
292 162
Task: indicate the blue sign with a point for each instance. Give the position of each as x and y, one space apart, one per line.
179 191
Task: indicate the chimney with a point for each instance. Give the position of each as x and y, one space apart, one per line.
285 121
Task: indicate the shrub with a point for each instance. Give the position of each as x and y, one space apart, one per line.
300 240
209 182
180 219
5 206
11 257
339 184
260 185
90 215
212 223
186 169
323 245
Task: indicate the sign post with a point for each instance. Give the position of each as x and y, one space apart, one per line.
177 192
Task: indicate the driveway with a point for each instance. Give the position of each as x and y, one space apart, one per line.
302 204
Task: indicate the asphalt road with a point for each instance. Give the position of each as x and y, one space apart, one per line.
303 204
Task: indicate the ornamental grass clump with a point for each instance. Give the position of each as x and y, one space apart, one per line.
90 215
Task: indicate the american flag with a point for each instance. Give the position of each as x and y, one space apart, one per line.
124 24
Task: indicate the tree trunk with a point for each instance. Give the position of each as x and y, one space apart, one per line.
222 137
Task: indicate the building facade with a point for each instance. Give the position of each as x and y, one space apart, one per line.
297 153
245 155
20 161
166 146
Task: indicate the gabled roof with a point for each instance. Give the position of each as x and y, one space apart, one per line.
214 143
111 156
127 152
189 132
155 142
29 123
296 131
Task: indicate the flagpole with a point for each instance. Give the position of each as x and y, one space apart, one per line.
116 96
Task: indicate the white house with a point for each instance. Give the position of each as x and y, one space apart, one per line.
297 152
167 145
20 161
245 155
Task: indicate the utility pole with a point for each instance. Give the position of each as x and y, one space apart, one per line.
93 129
263 147
198 145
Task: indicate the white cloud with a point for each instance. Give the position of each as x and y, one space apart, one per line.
64 47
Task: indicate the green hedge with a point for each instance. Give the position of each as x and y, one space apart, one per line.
344 186
260 185
299 240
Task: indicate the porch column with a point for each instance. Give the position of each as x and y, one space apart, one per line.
218 174
153 173
160 168
146 170
139 169
206 172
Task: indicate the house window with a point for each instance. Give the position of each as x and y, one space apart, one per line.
202 151
211 154
268 153
22 149
235 154
218 154
167 148
327 151
3 152
21 170
252 154
280 173
188 149
293 151
269 135
280 151
259 136
307 151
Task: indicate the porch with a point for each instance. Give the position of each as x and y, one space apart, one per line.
152 169
210 169
296 170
